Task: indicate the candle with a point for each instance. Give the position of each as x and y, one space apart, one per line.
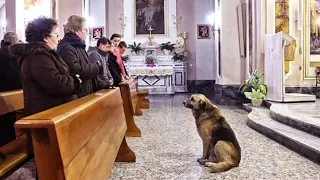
184 35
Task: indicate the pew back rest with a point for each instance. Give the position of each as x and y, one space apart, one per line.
80 139
129 90
11 101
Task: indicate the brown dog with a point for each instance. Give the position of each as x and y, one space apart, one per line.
221 150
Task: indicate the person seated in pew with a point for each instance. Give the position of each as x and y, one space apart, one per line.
46 79
9 80
100 55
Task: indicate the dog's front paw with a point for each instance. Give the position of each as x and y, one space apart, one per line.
202 161
209 164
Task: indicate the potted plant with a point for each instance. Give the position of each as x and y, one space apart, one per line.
256 97
181 56
135 47
125 58
166 47
254 83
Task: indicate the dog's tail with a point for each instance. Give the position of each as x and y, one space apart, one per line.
222 166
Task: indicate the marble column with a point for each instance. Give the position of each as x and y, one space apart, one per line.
231 65
15 17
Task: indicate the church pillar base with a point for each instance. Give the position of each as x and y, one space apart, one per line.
205 87
228 95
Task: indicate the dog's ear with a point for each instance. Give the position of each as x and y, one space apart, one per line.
202 104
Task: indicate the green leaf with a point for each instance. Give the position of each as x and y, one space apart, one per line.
263 88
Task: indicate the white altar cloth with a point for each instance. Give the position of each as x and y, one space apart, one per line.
151 71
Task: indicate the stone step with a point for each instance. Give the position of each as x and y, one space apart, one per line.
304 122
299 141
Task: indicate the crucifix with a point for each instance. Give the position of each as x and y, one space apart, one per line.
150 37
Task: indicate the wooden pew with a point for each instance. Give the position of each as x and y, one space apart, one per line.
143 102
80 139
16 152
129 96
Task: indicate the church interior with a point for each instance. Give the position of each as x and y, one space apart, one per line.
159 89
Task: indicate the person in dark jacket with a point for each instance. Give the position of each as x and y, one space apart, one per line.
114 68
46 79
72 50
100 55
9 80
9 70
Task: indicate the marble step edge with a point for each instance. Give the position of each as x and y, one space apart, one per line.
301 142
298 121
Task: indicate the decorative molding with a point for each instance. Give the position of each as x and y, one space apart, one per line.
123 20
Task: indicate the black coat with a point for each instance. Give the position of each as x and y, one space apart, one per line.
114 69
9 71
72 50
45 77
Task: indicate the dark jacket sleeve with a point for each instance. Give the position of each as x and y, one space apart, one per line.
114 70
10 73
44 71
86 71
94 57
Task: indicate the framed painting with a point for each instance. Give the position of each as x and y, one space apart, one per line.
97 33
203 31
36 8
152 14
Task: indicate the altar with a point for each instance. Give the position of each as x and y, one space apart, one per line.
166 77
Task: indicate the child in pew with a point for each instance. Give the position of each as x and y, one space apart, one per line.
100 55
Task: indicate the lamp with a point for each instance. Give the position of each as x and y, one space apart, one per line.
214 22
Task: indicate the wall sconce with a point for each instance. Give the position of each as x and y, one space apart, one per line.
212 19
4 25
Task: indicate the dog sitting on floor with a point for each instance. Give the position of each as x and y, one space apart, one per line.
221 150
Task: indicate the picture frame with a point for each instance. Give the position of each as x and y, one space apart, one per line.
97 33
143 18
203 31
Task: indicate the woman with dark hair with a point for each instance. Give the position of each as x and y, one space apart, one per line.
45 76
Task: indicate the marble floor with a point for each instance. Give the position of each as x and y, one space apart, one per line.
170 145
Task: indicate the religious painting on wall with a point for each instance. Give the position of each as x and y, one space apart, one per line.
150 13
282 22
314 26
36 8
203 31
97 33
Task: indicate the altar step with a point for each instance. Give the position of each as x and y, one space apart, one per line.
287 132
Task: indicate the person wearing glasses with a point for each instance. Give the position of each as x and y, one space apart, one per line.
100 55
46 80
72 50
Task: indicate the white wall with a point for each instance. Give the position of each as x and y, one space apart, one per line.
98 13
66 8
2 20
204 47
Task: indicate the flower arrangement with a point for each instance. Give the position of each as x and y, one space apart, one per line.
150 61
